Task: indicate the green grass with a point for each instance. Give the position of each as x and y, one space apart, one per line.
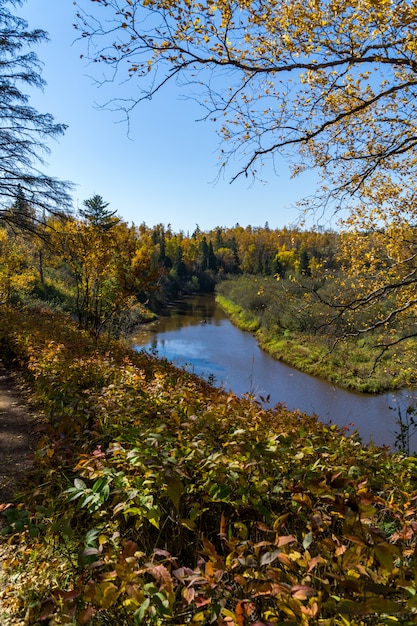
245 320
351 364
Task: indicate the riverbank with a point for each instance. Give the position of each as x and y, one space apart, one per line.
159 499
349 364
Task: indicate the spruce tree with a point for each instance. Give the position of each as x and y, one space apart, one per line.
97 214
23 130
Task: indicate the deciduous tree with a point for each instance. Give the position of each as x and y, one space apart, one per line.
335 79
329 84
17 274
109 266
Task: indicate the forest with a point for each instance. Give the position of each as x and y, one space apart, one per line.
153 497
156 498
295 288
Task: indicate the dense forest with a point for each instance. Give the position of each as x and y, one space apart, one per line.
295 288
151 496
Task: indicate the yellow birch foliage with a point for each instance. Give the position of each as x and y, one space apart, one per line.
108 268
326 84
16 275
334 79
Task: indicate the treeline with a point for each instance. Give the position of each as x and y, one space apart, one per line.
342 320
249 250
102 270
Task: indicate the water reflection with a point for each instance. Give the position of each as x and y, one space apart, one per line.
197 334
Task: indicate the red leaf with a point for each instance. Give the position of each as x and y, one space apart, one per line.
86 615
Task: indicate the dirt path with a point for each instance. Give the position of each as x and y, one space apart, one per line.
17 443
17 436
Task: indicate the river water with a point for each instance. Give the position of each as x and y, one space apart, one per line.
195 333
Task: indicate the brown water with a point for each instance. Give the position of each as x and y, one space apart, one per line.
195 333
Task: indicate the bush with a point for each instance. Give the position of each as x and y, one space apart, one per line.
161 500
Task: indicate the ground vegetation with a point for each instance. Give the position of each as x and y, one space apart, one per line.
157 499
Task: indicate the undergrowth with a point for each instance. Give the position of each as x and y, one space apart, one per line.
158 499
350 363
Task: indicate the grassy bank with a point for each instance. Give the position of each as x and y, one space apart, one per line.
157 499
243 319
351 364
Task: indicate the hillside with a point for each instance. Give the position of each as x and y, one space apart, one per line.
157 499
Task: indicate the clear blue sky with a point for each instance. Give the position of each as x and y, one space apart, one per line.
163 173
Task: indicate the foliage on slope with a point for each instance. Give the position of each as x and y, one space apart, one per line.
157 499
297 331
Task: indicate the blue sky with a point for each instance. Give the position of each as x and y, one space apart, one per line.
164 171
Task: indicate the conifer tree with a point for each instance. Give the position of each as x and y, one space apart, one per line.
97 214
23 130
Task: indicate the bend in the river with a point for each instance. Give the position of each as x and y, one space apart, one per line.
196 333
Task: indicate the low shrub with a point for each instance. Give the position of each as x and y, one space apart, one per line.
158 499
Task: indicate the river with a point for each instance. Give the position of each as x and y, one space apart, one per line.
197 334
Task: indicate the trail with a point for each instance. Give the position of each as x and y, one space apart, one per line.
17 443
17 436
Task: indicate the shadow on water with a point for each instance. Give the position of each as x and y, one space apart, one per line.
195 333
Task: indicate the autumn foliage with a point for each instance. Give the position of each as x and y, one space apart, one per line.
161 500
316 84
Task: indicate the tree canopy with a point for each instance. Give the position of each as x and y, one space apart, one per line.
329 84
334 79
23 130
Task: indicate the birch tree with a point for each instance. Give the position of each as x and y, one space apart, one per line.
325 84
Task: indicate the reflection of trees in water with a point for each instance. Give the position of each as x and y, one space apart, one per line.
201 306
190 311
200 310
234 359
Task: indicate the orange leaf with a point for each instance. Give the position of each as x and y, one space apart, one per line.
209 548
209 569
240 614
222 531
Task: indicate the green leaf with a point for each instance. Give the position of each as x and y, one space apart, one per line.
160 601
308 540
175 490
91 537
154 515
79 484
188 523
219 492
141 612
